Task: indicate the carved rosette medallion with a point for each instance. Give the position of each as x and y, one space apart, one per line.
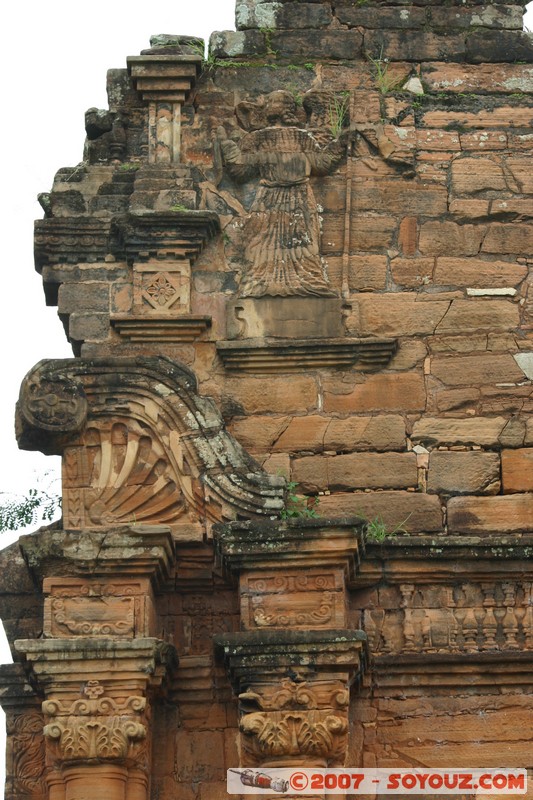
96 728
54 405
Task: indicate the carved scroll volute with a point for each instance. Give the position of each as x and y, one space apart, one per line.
49 412
97 728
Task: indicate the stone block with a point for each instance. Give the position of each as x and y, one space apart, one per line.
383 432
484 16
412 511
284 317
499 46
472 175
399 197
302 433
395 314
481 369
414 45
259 433
88 327
463 473
438 140
483 431
355 15
367 272
478 272
311 44
517 470
356 471
370 232
412 272
479 314
232 44
83 297
450 239
501 514
384 392
465 78
295 393
512 238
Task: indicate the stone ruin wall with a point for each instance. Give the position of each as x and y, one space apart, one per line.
387 148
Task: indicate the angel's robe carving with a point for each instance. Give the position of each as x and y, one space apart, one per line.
282 232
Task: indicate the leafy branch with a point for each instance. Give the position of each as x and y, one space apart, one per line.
18 511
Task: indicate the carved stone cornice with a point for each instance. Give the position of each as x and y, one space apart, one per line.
146 415
62 664
142 550
258 657
279 355
443 671
82 239
153 328
71 240
170 234
441 559
292 544
164 77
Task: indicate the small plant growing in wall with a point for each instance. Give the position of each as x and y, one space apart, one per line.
338 113
296 506
386 80
377 531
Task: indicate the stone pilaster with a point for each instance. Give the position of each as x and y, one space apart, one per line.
294 663
99 664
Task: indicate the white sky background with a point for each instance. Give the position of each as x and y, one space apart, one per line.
54 57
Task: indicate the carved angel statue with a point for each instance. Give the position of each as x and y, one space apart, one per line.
282 232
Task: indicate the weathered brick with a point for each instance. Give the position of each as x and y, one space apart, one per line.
356 471
507 514
231 44
412 511
517 470
385 392
463 473
477 272
484 431
450 239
